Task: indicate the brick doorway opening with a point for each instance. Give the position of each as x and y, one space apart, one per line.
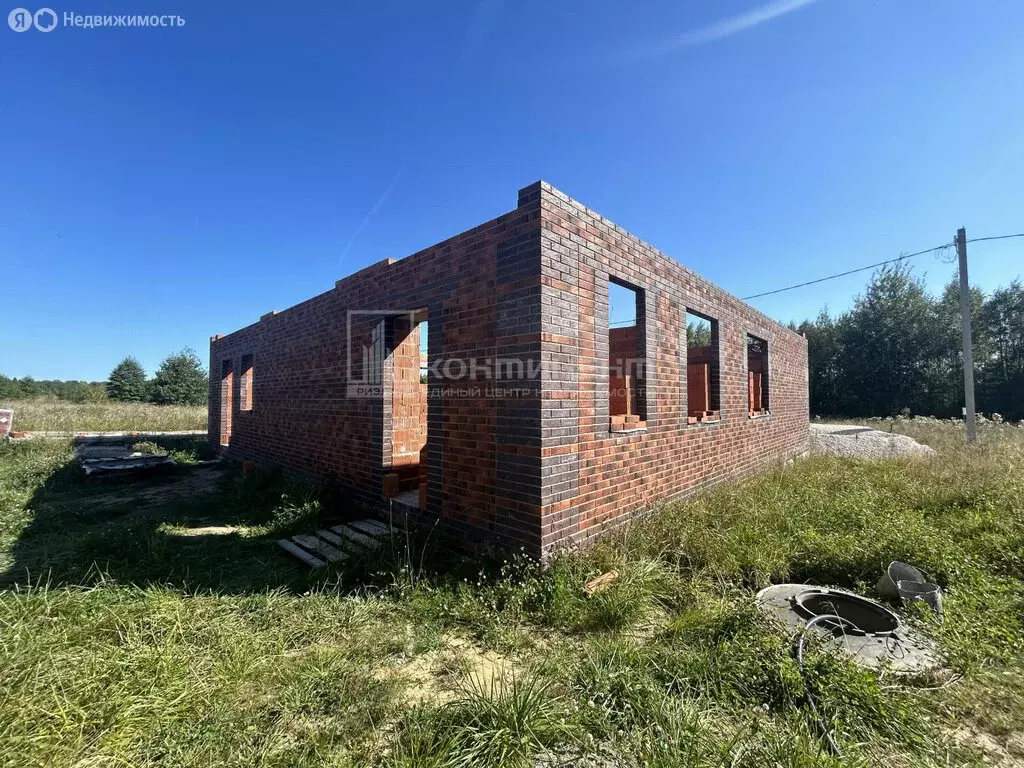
227 391
406 402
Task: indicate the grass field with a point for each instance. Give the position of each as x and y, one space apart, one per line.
53 416
156 623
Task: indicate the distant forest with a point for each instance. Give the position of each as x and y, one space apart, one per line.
69 391
180 380
900 350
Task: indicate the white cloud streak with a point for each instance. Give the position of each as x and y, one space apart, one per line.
366 219
721 29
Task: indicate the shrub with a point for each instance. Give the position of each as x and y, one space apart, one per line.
181 380
127 382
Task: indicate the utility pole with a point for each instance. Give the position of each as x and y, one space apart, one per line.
965 319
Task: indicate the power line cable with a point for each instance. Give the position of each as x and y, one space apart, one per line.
850 272
879 264
995 237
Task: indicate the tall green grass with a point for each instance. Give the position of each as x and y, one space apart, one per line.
112 416
133 676
168 630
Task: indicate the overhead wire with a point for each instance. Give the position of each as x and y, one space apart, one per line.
903 257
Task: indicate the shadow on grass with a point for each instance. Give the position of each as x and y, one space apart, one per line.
201 528
196 528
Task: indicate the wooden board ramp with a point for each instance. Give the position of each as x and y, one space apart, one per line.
311 560
327 536
371 527
356 536
320 547
334 545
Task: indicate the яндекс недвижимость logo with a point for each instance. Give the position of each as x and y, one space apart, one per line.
22 19
46 20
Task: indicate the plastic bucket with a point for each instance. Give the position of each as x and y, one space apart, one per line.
894 574
921 591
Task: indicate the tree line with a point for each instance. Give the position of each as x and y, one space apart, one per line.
899 350
28 388
180 380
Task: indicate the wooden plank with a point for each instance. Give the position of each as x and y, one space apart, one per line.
321 547
333 538
371 522
372 527
355 536
601 583
311 560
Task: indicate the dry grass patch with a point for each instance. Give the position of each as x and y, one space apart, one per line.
54 416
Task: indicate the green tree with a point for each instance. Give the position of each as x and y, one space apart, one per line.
127 382
944 373
181 380
1001 381
829 393
698 333
29 388
888 339
902 348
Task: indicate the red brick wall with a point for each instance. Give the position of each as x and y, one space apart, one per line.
698 380
529 462
408 402
622 389
481 290
595 479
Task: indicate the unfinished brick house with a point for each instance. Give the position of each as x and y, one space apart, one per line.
483 382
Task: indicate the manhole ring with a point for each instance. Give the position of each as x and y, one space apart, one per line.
871 619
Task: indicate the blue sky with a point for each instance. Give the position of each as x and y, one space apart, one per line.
162 185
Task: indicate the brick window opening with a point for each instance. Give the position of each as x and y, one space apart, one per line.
405 466
757 376
245 385
424 328
702 369
626 355
227 385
